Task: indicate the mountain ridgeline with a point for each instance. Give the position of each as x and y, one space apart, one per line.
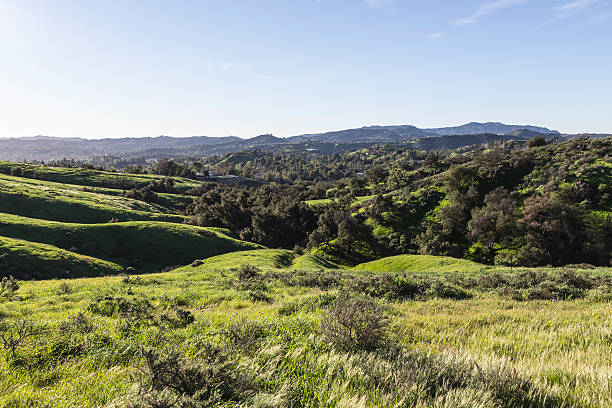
46 148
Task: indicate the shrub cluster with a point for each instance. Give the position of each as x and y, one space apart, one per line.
541 285
8 286
356 323
172 379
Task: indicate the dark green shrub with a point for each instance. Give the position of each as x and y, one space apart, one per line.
171 379
63 289
8 286
78 323
446 290
259 295
356 323
573 279
245 334
14 333
17 171
247 272
129 280
131 308
389 286
550 290
177 317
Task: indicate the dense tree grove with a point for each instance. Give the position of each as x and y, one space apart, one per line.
537 205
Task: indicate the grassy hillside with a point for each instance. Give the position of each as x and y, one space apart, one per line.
313 261
422 263
266 342
144 245
29 260
261 258
91 178
62 202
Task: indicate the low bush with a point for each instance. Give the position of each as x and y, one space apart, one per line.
135 309
78 323
247 272
171 379
8 286
245 334
14 333
356 322
63 289
177 317
445 290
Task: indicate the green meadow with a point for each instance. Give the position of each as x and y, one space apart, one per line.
477 346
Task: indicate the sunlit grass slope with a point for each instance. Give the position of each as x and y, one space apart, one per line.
422 263
313 261
92 178
166 201
144 245
29 260
62 202
261 258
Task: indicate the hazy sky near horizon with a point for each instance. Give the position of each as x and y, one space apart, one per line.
117 68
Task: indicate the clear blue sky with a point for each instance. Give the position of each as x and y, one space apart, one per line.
109 68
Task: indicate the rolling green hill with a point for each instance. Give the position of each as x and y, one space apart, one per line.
145 245
91 178
29 260
422 263
261 258
64 202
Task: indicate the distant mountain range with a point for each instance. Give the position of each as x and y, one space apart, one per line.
407 132
53 148
496 128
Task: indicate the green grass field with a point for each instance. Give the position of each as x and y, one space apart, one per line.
261 258
527 353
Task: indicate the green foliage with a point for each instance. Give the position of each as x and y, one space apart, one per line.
422 346
13 333
69 203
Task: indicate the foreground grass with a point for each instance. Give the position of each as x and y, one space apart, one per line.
559 350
